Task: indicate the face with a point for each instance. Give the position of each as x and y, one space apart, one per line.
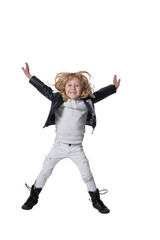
73 88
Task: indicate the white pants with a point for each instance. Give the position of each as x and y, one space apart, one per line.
74 152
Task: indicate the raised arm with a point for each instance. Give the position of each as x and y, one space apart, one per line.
38 84
106 91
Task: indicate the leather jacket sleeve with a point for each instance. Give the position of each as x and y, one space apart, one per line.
103 93
42 88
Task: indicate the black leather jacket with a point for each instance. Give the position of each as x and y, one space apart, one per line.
57 100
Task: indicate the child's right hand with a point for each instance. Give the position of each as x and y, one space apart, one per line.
26 71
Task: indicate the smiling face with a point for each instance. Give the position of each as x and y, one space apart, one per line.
73 88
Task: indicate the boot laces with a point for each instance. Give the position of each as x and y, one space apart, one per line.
28 187
101 192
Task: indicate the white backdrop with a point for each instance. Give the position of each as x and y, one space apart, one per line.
103 38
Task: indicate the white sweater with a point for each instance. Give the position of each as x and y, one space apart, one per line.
70 121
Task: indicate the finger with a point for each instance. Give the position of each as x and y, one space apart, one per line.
115 78
27 67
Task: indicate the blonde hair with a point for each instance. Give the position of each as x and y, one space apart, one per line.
63 77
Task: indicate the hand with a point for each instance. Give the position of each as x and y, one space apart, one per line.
26 71
115 82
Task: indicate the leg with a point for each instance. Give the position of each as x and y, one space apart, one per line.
78 156
55 155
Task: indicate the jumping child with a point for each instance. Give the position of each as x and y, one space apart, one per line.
72 107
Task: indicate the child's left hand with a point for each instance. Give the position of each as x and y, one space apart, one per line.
115 82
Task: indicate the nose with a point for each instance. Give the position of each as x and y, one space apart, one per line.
73 87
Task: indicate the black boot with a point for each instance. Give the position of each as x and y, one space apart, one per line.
33 198
97 203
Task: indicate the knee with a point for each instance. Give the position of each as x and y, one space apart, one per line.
46 173
87 178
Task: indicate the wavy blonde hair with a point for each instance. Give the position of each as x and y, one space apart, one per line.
63 77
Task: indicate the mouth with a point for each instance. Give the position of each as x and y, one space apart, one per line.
72 92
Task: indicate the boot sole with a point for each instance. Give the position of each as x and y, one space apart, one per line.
27 208
107 211
24 208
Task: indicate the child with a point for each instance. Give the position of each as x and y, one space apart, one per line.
72 107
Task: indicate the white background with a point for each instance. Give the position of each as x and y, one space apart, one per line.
103 38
